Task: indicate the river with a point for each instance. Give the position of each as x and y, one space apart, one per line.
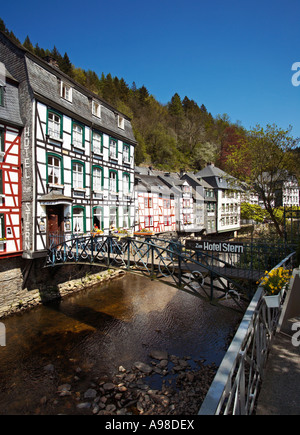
94 332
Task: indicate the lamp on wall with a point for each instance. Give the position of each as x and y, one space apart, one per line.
67 220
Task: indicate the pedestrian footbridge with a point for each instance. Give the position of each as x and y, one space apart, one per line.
211 275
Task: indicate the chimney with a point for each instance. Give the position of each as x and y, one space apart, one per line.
53 62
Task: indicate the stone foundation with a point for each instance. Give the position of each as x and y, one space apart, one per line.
26 283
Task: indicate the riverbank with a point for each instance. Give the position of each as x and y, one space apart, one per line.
167 386
51 291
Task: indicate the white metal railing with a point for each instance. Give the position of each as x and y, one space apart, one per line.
235 387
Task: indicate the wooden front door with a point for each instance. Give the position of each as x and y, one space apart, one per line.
55 221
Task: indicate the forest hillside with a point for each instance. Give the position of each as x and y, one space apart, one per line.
180 135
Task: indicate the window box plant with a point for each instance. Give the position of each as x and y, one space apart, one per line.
274 284
144 232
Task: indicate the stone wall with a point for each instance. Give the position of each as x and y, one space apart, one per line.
25 284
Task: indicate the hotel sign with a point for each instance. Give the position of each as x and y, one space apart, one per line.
212 246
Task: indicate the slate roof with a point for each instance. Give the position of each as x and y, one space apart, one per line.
45 81
150 183
217 178
10 111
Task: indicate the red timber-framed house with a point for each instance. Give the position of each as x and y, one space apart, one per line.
77 154
10 166
155 203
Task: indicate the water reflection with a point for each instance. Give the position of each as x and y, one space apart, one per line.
100 329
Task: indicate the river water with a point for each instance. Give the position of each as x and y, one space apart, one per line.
96 331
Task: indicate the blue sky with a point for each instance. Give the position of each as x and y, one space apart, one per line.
234 56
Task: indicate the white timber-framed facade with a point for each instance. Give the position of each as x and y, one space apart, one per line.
78 154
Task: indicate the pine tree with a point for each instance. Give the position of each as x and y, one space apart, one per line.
28 45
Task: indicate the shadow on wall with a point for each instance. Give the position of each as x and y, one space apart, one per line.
47 280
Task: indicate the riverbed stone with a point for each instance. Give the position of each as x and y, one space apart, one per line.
90 394
108 386
142 367
84 405
159 354
64 390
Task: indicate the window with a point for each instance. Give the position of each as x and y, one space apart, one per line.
126 183
78 220
54 169
97 142
167 221
98 217
126 218
148 221
121 122
126 153
78 175
148 202
54 125
186 218
113 217
113 148
167 203
97 179
96 109
66 92
77 135
113 182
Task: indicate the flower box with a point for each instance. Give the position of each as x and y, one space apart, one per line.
144 233
273 301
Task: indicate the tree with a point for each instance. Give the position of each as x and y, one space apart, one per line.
271 152
28 45
234 157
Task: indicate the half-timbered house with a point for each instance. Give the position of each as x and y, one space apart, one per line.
10 166
155 203
78 154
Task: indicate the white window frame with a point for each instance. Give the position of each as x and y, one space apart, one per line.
54 125
121 122
78 220
96 109
113 217
77 135
97 144
66 92
97 179
126 184
113 148
113 176
78 175
54 171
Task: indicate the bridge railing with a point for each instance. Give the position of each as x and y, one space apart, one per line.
156 257
236 384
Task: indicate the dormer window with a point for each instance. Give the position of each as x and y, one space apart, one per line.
96 109
66 92
121 122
